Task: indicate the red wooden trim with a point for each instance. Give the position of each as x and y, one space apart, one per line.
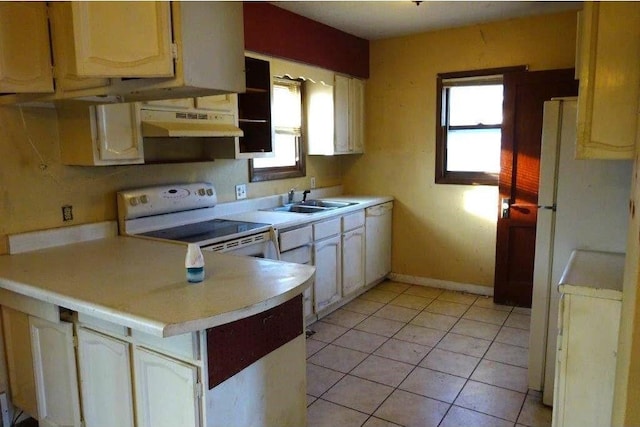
274 31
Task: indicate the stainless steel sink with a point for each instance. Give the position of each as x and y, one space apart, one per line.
312 206
299 208
326 203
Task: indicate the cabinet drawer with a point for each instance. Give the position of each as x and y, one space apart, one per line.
301 255
100 325
295 238
183 346
353 220
326 228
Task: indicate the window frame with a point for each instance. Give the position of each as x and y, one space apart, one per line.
442 176
284 172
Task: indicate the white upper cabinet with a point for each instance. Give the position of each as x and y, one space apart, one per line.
25 57
100 135
609 72
121 39
335 116
121 51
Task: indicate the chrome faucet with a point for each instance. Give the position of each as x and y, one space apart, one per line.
291 193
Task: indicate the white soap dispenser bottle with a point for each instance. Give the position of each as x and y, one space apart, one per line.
194 263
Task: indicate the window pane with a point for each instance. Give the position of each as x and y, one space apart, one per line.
476 150
287 106
473 105
285 153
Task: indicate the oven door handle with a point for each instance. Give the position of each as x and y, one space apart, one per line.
273 234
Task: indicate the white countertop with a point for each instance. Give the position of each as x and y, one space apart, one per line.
283 220
593 273
141 283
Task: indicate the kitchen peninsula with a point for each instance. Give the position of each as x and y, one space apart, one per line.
150 348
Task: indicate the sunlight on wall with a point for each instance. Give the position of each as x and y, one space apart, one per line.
482 201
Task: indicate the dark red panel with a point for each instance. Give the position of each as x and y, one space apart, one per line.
236 345
273 31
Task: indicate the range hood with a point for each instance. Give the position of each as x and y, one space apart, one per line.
187 123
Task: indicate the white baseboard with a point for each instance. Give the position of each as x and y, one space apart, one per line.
442 284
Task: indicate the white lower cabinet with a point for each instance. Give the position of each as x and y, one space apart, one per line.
353 246
54 367
105 380
168 391
586 360
328 262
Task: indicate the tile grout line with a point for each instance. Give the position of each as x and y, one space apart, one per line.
417 365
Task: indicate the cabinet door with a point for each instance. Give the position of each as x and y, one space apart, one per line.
226 103
167 391
122 39
609 52
19 360
585 385
63 51
328 263
352 261
117 133
318 109
356 115
25 58
54 366
105 380
185 103
341 133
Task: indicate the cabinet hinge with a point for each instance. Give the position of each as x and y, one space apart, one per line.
199 390
74 340
174 51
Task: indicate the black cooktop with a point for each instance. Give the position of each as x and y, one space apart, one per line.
204 231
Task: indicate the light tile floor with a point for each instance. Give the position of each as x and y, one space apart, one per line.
416 356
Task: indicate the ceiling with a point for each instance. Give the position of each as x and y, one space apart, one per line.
374 20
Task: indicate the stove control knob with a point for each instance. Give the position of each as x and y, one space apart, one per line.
144 199
201 192
209 192
133 201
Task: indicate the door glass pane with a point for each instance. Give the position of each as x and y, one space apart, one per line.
474 105
475 150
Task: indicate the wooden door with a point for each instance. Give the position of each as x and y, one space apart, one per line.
524 97
105 380
356 115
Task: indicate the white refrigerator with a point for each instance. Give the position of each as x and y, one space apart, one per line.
583 204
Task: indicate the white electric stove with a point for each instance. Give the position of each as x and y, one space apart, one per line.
185 213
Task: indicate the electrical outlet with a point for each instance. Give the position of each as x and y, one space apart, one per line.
313 182
4 410
67 213
241 191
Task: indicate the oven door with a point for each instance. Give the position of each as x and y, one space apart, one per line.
261 245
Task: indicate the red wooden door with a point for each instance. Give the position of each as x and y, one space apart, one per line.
524 97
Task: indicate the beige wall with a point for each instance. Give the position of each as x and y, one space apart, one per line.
444 232
34 185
